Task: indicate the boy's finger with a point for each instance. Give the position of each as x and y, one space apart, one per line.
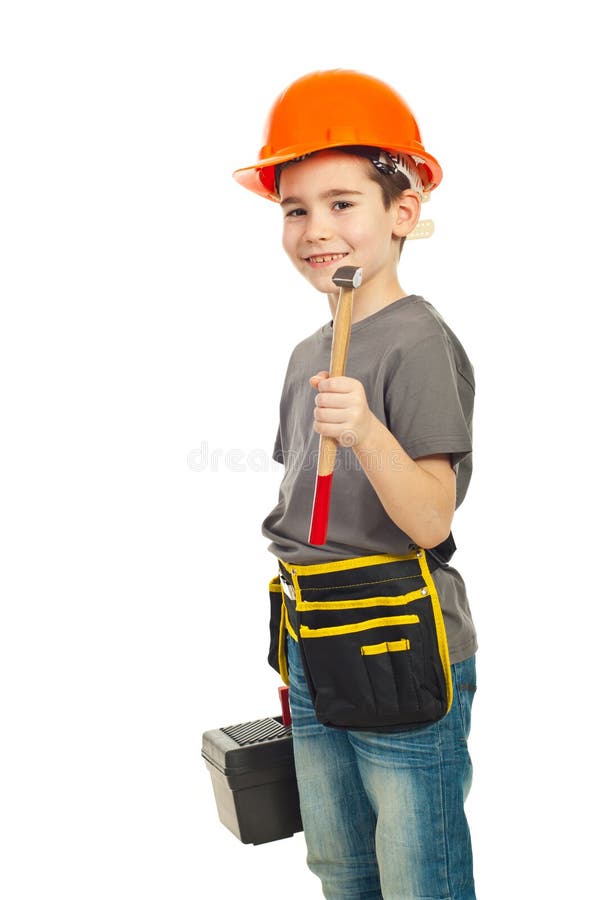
316 379
339 383
331 399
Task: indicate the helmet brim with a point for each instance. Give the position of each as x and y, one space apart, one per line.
259 179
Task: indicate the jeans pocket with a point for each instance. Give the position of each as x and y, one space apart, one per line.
465 686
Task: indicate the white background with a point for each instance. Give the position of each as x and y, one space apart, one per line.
148 312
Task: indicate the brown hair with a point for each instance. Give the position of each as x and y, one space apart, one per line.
392 185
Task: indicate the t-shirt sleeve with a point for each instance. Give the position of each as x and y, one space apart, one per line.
429 401
277 454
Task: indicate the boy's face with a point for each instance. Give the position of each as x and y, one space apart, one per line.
334 215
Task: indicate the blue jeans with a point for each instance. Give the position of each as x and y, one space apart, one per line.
383 814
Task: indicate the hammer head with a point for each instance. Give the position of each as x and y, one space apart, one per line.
348 277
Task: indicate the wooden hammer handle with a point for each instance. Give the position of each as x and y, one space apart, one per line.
346 278
341 330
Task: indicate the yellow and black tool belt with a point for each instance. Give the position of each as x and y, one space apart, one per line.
372 639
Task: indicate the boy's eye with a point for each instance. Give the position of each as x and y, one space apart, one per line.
337 206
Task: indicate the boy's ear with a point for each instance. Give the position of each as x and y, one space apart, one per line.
407 212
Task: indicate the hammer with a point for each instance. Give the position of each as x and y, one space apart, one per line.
346 278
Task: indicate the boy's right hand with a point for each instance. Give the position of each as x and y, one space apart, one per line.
342 410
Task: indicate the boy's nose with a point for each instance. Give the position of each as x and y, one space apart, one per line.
317 227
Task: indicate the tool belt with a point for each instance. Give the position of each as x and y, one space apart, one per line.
371 635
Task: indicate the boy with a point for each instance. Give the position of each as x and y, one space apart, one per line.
381 702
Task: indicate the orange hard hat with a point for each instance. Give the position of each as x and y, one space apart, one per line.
337 108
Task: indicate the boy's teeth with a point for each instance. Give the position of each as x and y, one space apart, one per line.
327 258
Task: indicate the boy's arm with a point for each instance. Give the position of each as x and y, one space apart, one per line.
418 495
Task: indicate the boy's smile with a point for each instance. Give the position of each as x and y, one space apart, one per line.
334 214
324 260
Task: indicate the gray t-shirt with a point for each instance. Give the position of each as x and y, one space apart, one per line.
419 382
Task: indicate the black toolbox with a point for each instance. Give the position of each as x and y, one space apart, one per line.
253 775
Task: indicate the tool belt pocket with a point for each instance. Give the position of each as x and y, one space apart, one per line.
372 641
278 616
